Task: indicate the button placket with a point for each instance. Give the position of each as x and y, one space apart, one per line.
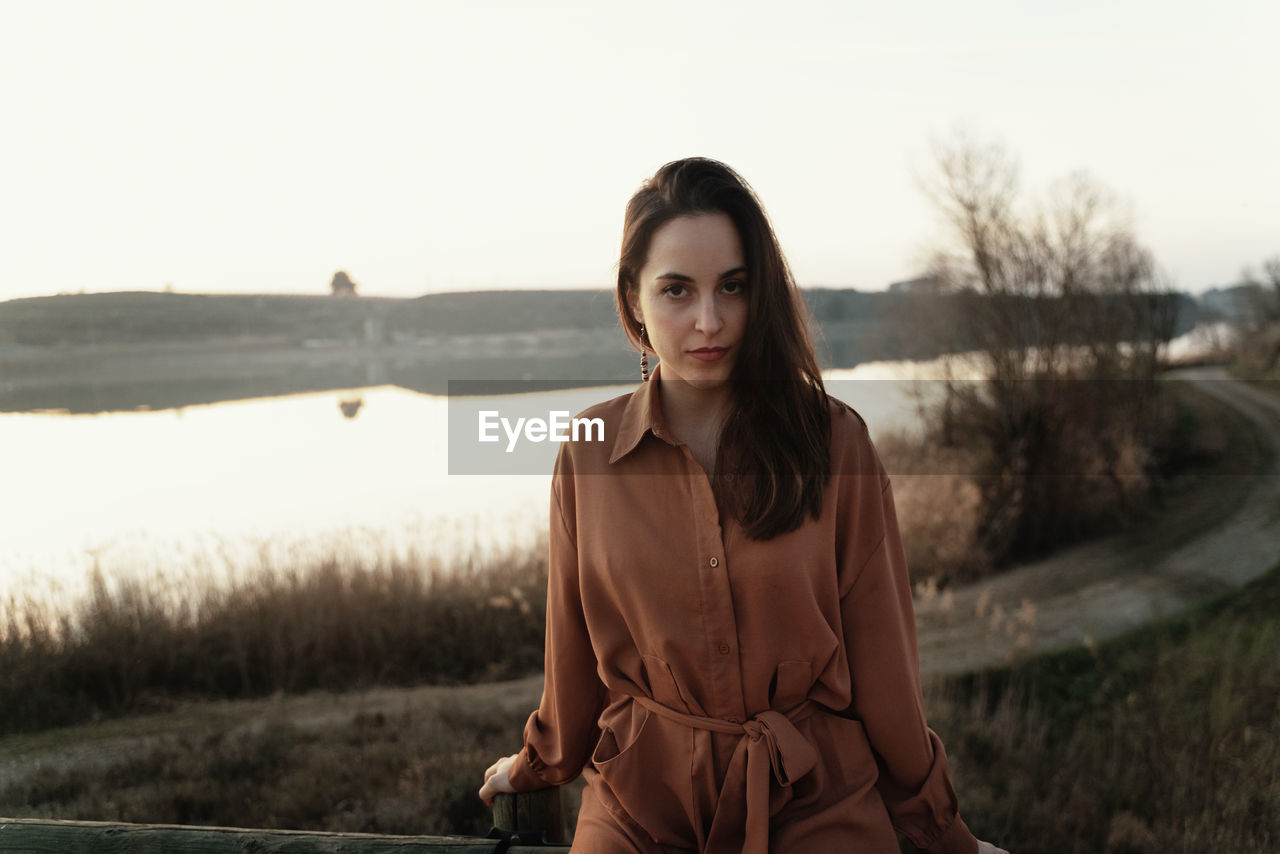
720 624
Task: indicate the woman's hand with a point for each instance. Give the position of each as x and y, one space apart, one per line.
988 848
496 780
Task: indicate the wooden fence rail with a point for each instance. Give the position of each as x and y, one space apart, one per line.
532 817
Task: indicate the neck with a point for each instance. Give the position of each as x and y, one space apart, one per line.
691 410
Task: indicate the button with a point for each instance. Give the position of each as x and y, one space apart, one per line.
735 721
715 562
724 649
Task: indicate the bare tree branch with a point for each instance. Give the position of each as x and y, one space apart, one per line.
1066 311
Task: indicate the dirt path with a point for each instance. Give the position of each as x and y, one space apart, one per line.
1111 585
1223 533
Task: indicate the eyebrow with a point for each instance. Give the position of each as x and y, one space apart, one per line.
681 277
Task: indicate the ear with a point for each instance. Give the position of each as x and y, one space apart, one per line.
633 303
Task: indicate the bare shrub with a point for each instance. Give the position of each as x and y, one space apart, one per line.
1258 338
1065 313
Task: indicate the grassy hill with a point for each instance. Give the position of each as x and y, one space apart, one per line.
131 350
144 317
133 318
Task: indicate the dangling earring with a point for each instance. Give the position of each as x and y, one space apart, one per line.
644 355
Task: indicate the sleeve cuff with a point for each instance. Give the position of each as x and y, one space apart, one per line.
525 773
956 839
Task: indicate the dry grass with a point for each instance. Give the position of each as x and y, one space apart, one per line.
395 761
1164 740
332 626
939 505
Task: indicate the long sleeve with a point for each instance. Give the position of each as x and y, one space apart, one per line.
560 734
880 640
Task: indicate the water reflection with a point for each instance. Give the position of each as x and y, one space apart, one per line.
133 492
350 406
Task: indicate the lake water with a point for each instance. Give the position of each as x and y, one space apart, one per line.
361 475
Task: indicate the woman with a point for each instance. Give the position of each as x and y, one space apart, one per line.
730 651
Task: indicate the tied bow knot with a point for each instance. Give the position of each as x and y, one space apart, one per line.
790 757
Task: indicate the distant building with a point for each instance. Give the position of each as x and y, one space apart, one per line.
342 286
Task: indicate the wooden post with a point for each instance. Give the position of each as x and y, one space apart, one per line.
532 813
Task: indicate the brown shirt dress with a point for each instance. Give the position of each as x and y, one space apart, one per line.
722 694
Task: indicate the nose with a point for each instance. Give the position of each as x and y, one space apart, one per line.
709 320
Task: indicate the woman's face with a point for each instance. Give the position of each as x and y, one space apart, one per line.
692 298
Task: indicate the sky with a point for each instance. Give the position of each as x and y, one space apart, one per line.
438 146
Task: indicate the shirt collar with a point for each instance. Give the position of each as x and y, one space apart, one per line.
642 414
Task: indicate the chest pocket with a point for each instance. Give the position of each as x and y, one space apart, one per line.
644 780
791 684
662 684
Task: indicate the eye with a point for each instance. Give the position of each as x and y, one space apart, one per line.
674 290
736 286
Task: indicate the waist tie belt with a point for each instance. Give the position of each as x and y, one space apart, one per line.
770 733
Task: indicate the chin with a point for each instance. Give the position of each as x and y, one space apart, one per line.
707 381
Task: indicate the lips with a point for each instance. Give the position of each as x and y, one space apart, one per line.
709 354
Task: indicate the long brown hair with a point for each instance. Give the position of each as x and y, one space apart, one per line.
777 433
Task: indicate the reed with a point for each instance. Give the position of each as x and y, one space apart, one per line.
337 624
